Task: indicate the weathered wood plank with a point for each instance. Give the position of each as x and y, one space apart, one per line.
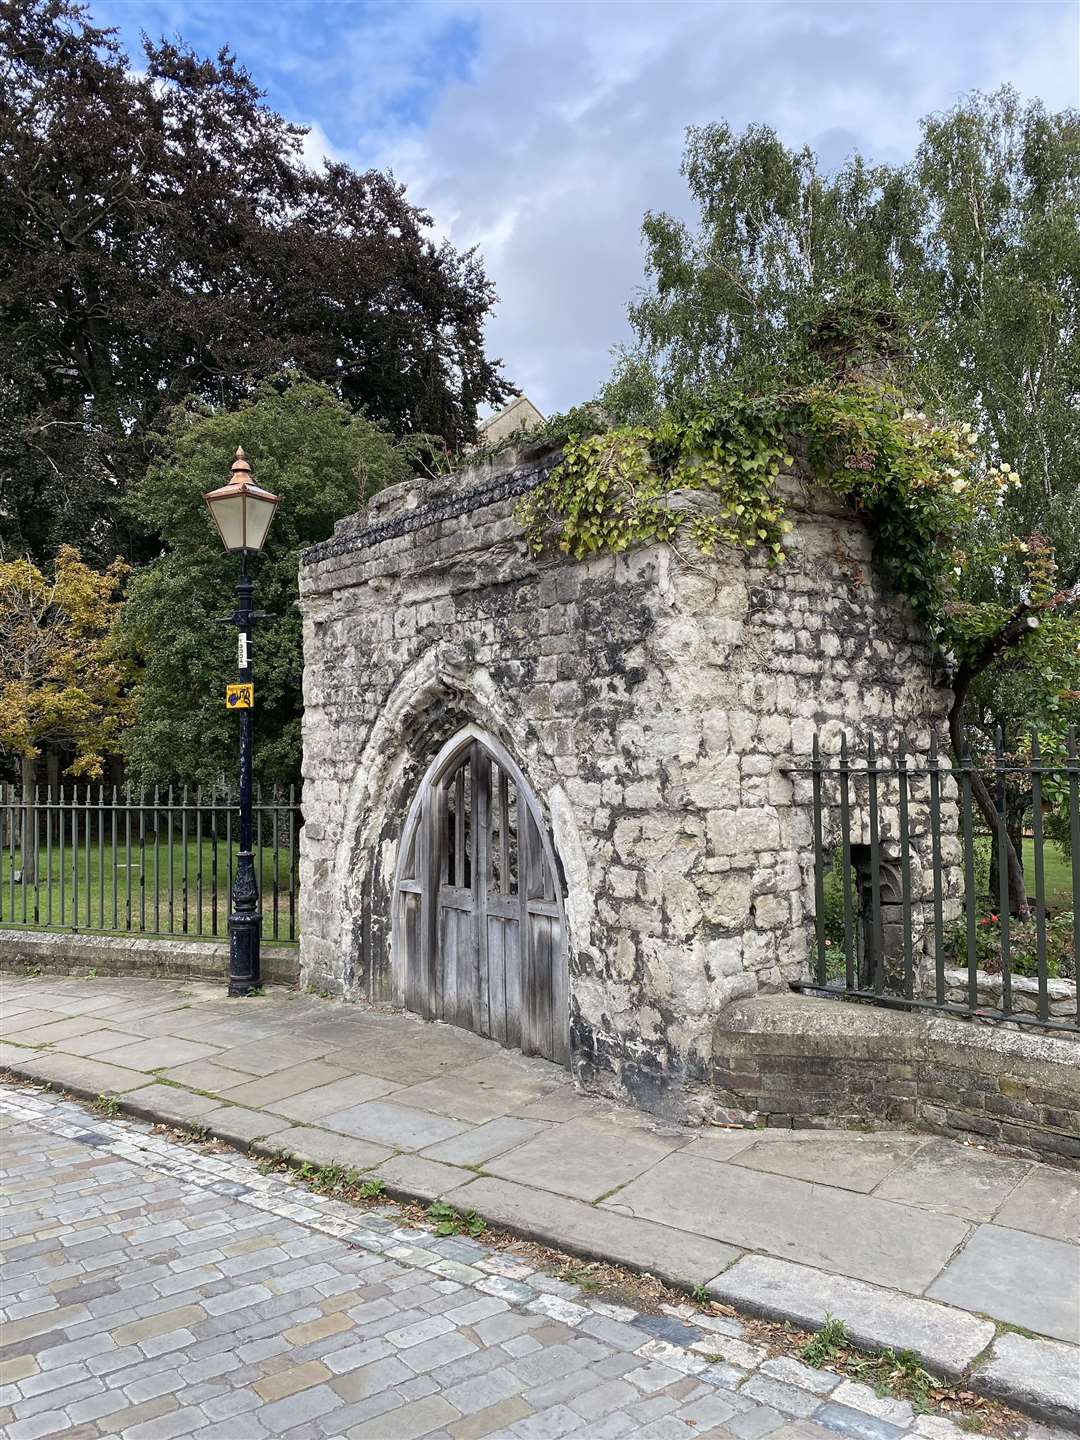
506 881
479 914
512 981
481 878
496 972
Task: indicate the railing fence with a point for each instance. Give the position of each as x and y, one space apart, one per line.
913 902
101 859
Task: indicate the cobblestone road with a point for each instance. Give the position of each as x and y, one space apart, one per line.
155 1290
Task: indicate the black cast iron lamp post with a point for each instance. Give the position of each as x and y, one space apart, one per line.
242 513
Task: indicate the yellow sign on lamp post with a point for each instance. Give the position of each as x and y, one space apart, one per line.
240 696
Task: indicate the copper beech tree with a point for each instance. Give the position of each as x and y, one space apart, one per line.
160 238
61 682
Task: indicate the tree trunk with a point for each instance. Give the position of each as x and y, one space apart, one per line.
1017 803
985 801
52 771
28 816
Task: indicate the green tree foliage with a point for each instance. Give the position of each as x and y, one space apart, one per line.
322 459
959 270
954 278
160 238
63 683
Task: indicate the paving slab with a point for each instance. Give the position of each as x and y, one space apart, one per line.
56 1029
1020 1278
205 1075
671 1255
857 1235
81 999
25 1018
409 1175
320 1100
12 1054
265 1056
163 1052
390 1124
240 1126
82 1076
955 1179
849 1160
402 1064
460 1098
167 1102
584 1159
95 1043
510 1070
474 1147
321 1147
721 1144
944 1338
282 1084
1038 1376
196 1025
560 1105
1046 1202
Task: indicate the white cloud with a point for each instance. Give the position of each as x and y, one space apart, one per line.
316 147
543 131
570 125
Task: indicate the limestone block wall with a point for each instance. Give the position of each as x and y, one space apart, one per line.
657 703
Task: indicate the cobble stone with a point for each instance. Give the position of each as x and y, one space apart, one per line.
450 1359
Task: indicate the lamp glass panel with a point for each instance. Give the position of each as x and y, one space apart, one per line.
229 514
259 515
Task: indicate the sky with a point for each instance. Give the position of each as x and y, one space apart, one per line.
542 133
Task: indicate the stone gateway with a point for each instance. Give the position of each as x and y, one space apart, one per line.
557 801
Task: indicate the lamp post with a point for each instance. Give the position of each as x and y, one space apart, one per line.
242 513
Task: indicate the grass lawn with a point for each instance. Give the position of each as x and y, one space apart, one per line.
1057 867
132 898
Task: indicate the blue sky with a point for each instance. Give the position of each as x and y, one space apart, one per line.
543 132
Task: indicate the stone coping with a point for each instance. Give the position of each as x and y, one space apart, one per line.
804 1060
821 1024
57 952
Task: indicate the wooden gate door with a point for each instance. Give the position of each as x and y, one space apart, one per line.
479 928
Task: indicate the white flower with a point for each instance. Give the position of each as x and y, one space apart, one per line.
958 485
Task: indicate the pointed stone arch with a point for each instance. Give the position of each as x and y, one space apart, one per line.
479 936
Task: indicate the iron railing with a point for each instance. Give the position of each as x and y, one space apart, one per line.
912 886
101 859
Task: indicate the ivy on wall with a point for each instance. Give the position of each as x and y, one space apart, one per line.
930 499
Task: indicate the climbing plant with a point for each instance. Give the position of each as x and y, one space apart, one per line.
935 504
930 500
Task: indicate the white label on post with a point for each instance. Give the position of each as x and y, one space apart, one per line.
242 650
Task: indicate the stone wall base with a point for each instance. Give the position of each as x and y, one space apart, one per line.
53 952
805 1061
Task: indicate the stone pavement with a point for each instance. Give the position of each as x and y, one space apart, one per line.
154 1290
916 1242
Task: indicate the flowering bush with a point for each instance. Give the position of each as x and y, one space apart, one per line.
933 502
1023 945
